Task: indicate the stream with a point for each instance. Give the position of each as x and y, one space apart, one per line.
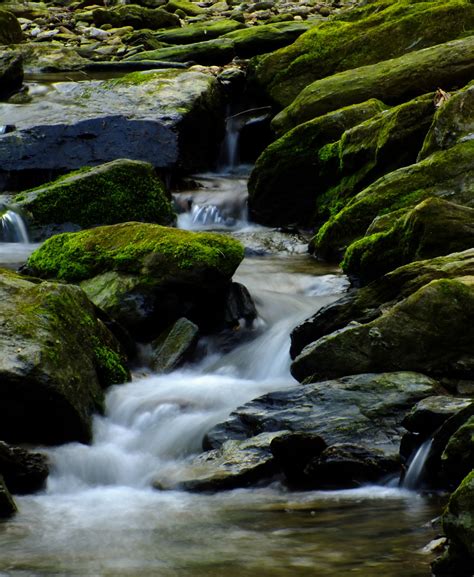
98 515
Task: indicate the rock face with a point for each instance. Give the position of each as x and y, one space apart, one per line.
118 191
402 338
340 433
168 118
11 73
359 37
143 275
23 471
433 228
392 81
56 359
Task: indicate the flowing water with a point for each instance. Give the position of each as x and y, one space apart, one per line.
99 516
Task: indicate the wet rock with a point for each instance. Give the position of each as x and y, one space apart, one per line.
96 122
392 81
404 337
174 346
118 191
430 413
7 505
11 73
145 276
56 359
23 471
457 459
49 57
434 227
240 307
137 16
358 38
10 29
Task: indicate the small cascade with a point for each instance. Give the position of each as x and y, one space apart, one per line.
207 215
13 228
416 469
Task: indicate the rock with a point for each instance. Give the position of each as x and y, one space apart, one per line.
357 38
458 523
392 81
118 191
198 31
145 276
404 338
174 346
240 307
430 413
10 29
7 505
365 410
56 358
435 227
137 16
177 110
11 73
49 57
291 164
23 471
453 123
370 302
457 459
189 8
446 174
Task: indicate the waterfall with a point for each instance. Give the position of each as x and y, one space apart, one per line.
414 474
13 228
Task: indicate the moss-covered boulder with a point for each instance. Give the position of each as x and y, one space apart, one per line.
359 37
284 182
198 31
447 174
392 81
371 301
433 228
411 335
118 191
7 505
453 123
210 52
11 73
189 8
458 525
137 16
144 275
56 358
10 29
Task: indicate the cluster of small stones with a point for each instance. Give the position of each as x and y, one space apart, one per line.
73 27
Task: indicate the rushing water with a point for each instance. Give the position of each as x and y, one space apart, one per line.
99 516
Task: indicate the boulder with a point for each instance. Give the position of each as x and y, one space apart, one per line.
43 57
11 73
23 471
189 8
457 459
170 118
453 122
369 303
7 505
288 430
57 357
10 29
145 276
358 37
174 346
410 336
198 31
118 191
393 81
430 413
435 227
137 16
285 178
447 174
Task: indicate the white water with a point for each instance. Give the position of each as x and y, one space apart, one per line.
414 474
13 228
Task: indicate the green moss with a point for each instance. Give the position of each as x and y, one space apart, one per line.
109 365
217 51
189 8
199 31
134 248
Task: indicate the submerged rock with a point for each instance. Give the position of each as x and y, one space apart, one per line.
118 191
56 358
145 276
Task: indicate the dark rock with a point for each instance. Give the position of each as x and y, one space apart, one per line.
11 73
137 16
430 413
457 459
23 471
175 346
7 505
10 29
239 306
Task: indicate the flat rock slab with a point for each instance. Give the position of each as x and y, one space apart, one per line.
166 117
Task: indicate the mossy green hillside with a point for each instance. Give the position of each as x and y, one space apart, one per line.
378 31
134 248
117 191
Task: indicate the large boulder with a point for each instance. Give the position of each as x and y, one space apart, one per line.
169 118
411 335
447 174
283 183
392 81
118 191
10 29
56 358
137 16
144 275
433 228
11 73
340 432
358 37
